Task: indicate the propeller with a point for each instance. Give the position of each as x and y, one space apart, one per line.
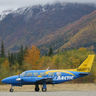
48 68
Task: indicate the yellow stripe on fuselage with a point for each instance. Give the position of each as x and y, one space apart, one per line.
39 76
60 71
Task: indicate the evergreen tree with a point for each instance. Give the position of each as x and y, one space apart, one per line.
9 57
20 56
25 50
2 50
22 52
12 59
46 54
50 53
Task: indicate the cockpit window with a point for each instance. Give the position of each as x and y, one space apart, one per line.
28 74
22 74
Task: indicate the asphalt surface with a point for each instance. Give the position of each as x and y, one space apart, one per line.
62 93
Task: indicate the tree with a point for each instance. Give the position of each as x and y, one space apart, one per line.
31 57
20 56
5 69
9 58
56 61
50 53
12 59
25 49
2 50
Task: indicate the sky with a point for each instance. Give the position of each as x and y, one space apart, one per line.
14 4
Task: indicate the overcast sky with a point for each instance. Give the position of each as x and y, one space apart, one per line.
13 4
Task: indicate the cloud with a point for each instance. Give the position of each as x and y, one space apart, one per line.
10 4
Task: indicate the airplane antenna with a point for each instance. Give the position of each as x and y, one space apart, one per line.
48 68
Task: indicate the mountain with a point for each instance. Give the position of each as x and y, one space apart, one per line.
86 34
37 25
4 14
81 33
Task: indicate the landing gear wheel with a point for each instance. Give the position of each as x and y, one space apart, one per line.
44 89
11 90
37 89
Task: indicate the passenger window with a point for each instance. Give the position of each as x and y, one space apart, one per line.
35 74
51 74
58 73
43 74
28 74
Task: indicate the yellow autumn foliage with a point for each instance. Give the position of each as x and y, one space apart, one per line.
5 65
31 57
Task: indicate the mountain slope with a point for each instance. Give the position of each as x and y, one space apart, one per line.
86 37
74 35
27 26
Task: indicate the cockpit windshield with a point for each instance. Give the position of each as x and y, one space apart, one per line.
26 74
22 74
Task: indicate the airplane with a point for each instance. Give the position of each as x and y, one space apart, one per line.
44 77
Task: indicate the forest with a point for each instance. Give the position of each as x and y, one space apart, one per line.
13 63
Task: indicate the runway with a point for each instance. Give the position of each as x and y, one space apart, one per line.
62 93
57 90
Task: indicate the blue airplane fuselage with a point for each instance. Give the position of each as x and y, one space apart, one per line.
39 76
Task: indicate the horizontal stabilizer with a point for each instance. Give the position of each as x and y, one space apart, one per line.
84 73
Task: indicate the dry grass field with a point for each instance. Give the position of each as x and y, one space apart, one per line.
50 88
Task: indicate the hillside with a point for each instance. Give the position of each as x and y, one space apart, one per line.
81 33
38 25
86 36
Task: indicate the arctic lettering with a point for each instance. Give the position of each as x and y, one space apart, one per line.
64 78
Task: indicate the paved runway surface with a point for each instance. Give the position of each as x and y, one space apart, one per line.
62 93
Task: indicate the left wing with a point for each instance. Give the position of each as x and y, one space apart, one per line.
47 80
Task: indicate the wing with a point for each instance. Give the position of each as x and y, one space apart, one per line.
47 80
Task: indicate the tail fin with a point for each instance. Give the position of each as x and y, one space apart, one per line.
87 64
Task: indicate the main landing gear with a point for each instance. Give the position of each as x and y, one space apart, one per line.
44 88
37 89
11 89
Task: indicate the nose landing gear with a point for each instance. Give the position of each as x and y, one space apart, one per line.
37 88
11 89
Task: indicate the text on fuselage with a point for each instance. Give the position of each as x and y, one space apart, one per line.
64 78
